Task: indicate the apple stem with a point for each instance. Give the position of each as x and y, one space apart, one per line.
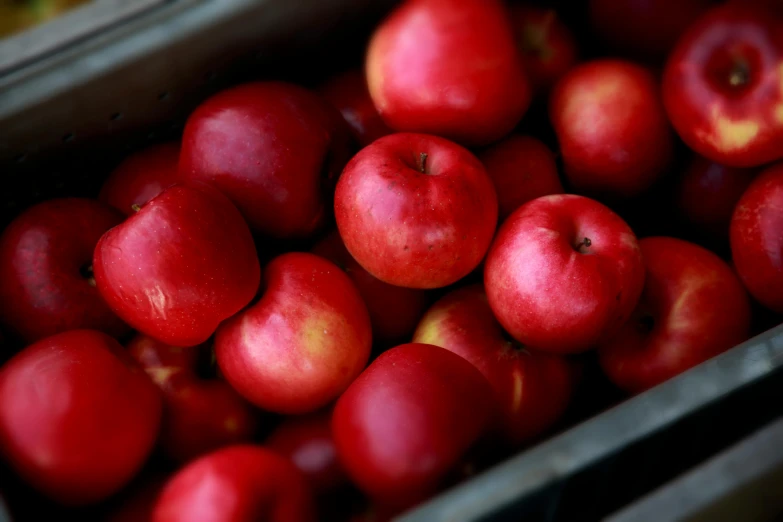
586 243
135 207
88 275
423 162
740 74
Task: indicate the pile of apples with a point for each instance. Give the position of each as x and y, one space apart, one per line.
359 285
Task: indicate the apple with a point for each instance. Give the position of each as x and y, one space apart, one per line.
693 308
522 168
240 483
349 94
46 280
416 210
722 86
612 129
302 343
563 274
78 418
546 44
450 68
140 177
532 388
407 419
756 238
199 415
178 267
644 28
708 192
394 310
274 148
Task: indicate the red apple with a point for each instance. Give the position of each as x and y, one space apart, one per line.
693 307
708 192
307 441
408 419
275 149
644 28
141 177
532 388
612 128
546 44
77 416
240 483
756 236
722 86
178 267
200 415
303 343
348 93
46 281
450 68
416 210
563 274
394 310
522 169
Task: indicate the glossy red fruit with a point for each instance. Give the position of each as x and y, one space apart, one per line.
408 419
612 129
416 210
532 388
546 44
46 282
563 274
449 68
522 168
693 307
722 86
303 343
348 93
756 236
78 418
141 177
307 441
178 267
708 192
274 148
644 28
240 483
394 310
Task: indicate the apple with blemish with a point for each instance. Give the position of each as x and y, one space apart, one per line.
302 343
532 388
693 307
723 86
348 93
563 273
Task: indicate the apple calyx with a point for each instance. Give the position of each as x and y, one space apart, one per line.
86 273
740 73
135 207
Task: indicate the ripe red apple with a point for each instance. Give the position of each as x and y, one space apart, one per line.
644 28
532 388
416 210
693 307
199 415
613 133
141 177
450 68
708 192
722 86
303 343
178 267
546 44
407 419
522 169
46 281
78 418
348 93
274 148
241 483
563 274
756 236
394 310
307 441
